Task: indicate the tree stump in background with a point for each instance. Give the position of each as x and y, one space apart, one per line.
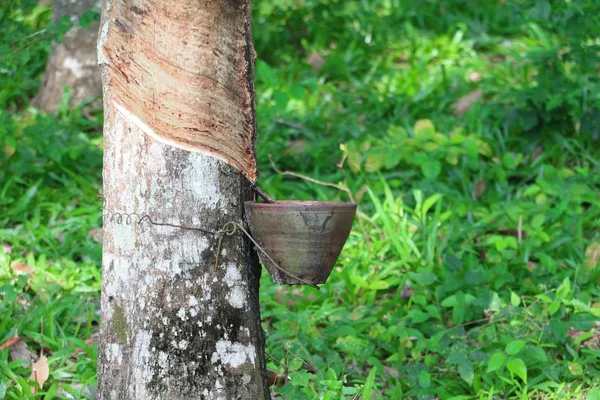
73 62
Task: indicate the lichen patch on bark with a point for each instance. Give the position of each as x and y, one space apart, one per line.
233 354
119 324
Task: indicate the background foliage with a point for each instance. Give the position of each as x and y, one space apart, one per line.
469 134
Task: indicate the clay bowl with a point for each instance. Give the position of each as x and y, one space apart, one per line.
304 238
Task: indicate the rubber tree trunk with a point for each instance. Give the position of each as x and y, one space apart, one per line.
72 62
174 324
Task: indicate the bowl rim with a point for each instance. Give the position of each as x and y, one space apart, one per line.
303 205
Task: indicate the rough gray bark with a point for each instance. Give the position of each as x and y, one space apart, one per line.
174 325
72 62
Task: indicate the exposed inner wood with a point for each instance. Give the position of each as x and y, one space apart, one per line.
178 69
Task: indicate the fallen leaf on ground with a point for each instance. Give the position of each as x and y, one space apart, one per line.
96 235
310 368
20 351
21 268
276 379
9 150
389 371
479 189
291 297
296 147
572 333
593 342
463 104
475 76
11 341
60 237
80 350
315 60
40 372
592 255
406 293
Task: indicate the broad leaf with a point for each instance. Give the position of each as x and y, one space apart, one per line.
496 362
517 366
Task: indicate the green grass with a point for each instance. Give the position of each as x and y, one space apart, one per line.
473 269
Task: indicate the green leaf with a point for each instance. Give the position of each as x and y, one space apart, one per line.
430 201
538 220
515 300
353 155
576 369
559 330
583 321
562 292
465 370
10 146
452 262
349 390
496 362
584 337
450 301
374 160
424 379
495 303
331 384
484 148
391 158
424 278
359 281
88 18
581 306
551 371
331 375
367 393
514 347
378 285
433 311
389 224
418 316
431 169
511 161
517 366
547 386
265 73
424 129
554 307
328 396
593 394
459 315
533 354
301 378
297 91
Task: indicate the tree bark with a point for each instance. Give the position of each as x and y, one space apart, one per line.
174 324
72 62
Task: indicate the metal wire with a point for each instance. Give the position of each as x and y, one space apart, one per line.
228 229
